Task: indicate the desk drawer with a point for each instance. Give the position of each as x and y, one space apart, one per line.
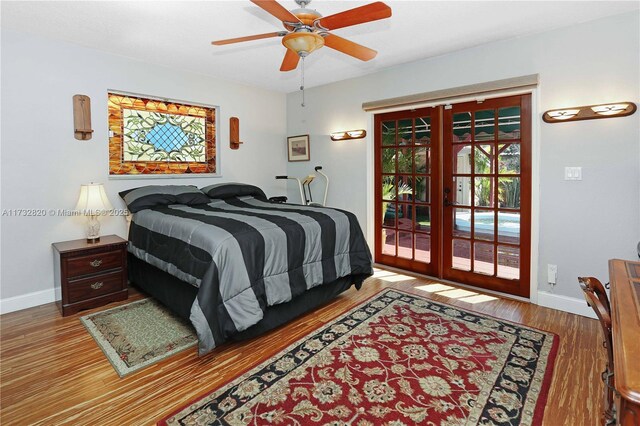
94 263
87 288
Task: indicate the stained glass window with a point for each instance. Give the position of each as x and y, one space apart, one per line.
150 136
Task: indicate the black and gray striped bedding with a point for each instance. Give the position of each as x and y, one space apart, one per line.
245 254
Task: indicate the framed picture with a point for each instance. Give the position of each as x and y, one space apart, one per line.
298 148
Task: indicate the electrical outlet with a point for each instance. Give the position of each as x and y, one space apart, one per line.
552 274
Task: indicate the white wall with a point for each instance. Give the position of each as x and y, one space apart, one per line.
581 224
43 165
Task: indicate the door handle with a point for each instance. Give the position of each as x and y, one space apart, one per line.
448 203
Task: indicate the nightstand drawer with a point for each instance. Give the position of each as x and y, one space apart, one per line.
94 263
90 274
88 288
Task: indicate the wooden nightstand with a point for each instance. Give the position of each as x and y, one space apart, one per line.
91 275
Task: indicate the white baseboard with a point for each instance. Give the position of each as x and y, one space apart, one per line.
548 300
29 300
565 303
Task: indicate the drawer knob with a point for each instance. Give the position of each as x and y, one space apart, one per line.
96 263
97 285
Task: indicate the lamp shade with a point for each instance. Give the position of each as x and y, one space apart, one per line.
611 109
93 200
303 42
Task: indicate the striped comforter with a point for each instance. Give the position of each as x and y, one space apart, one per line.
245 254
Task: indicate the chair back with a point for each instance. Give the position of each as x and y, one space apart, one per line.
596 297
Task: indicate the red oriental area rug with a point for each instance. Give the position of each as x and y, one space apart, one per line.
396 359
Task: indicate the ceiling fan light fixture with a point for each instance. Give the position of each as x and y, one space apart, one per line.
303 43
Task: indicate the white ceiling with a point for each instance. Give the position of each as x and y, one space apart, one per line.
178 34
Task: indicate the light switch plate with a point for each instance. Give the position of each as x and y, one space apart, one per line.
573 173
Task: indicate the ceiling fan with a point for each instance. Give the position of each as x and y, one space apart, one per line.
307 30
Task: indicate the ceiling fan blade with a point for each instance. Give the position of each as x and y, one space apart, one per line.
290 61
358 15
350 48
276 9
248 38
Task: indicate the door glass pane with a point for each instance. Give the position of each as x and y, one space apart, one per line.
462 159
389 187
423 248
423 218
509 123
509 159
509 262
462 193
423 130
405 188
405 160
389 214
422 160
405 245
462 127
509 192
422 189
483 224
483 159
462 223
388 133
483 258
388 160
509 227
461 254
405 132
483 196
405 216
485 125
389 242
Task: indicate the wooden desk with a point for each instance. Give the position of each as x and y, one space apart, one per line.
624 276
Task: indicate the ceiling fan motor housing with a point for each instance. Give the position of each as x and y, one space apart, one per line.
306 17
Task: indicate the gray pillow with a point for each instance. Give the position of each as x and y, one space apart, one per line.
149 196
233 189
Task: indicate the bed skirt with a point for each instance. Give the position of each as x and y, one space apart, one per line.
178 296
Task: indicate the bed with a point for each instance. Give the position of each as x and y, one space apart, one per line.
234 263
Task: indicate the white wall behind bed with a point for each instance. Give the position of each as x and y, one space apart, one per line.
43 165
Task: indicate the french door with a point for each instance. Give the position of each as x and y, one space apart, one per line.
453 192
407 210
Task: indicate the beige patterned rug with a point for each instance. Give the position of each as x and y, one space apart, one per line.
138 334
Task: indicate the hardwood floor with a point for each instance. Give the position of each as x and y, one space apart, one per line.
53 372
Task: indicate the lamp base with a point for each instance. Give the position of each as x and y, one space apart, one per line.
93 229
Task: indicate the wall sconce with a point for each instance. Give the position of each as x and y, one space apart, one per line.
349 134
82 117
234 133
589 112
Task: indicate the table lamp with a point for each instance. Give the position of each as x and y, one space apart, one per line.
92 203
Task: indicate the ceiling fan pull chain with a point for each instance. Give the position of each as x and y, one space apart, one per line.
302 83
